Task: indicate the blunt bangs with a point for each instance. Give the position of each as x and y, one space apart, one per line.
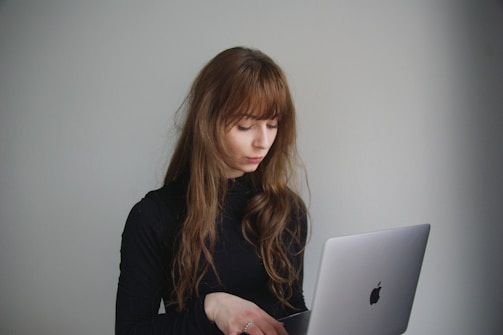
258 92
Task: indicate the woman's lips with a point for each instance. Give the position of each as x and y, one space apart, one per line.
255 160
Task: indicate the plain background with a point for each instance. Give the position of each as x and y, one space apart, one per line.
400 108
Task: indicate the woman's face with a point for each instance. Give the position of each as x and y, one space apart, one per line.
247 143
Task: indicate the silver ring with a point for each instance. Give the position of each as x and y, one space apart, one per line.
247 325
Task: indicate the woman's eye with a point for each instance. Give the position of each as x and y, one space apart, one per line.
272 125
243 128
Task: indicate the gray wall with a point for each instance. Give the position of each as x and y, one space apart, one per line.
400 118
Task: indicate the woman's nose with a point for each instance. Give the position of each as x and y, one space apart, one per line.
262 138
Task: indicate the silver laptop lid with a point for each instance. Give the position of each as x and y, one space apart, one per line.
367 282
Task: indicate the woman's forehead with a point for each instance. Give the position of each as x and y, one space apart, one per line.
258 109
237 117
258 115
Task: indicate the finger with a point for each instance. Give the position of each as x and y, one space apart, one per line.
264 327
251 328
281 329
269 325
254 329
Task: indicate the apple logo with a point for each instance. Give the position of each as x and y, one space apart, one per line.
374 295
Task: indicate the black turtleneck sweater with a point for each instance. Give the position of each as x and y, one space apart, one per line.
147 250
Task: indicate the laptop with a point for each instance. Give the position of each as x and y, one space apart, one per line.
366 284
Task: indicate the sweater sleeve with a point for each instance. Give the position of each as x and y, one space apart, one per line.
144 280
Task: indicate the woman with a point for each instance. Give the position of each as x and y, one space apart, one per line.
222 242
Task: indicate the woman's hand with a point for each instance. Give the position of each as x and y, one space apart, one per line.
233 314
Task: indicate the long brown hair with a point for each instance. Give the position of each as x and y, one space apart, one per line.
237 82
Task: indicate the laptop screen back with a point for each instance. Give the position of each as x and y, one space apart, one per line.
367 282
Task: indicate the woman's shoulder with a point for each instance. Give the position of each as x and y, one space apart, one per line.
169 197
160 210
